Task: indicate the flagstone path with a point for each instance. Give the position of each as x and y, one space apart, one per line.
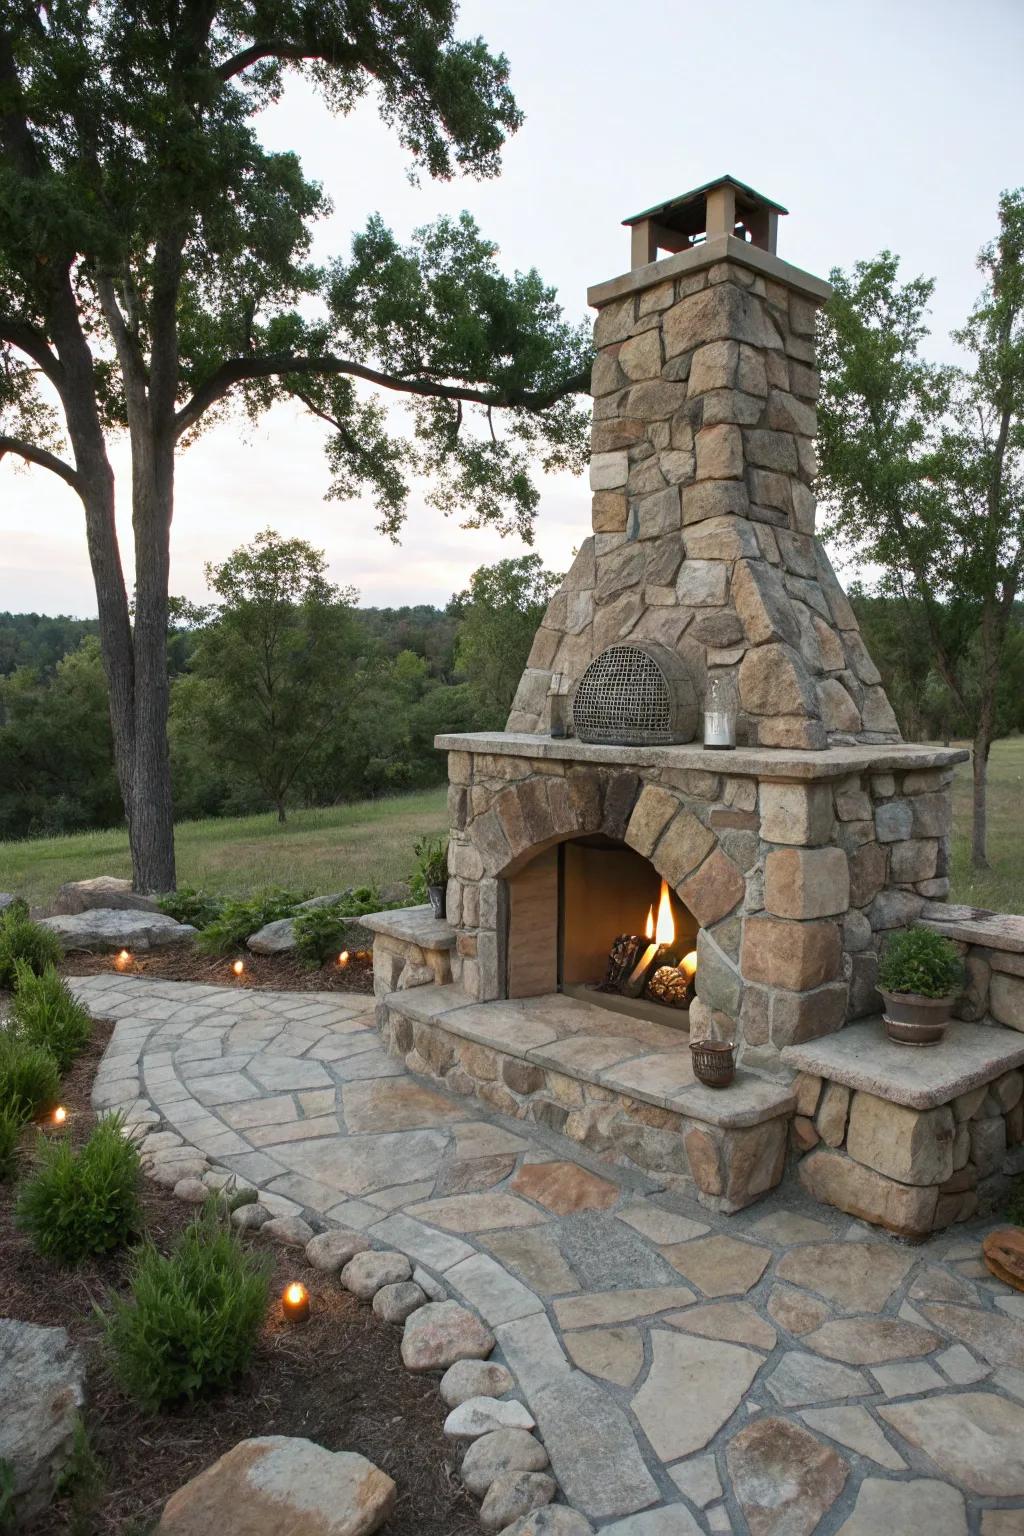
777 1373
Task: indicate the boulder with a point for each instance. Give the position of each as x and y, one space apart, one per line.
104 930
483 1415
441 1333
7 899
366 1273
105 891
291 1231
331 1251
276 1484
42 1380
474 1378
278 938
502 1451
394 1303
513 1495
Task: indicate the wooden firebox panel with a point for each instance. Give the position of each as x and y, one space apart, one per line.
533 927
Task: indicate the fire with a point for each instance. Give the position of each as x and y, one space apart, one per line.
665 930
649 925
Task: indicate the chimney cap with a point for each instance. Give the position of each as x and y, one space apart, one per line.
687 212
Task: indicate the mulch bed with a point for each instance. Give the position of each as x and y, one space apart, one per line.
278 973
337 1380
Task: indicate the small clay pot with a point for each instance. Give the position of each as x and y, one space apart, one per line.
714 1062
911 1019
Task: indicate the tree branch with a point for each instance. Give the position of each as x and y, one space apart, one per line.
43 458
238 369
34 345
271 48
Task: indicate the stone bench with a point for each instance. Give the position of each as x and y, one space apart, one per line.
992 944
411 948
622 1087
912 1139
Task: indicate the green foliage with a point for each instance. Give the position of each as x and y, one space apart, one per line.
82 1482
187 905
240 917
193 1318
76 1205
320 932
923 468
500 614
920 960
45 1013
56 748
27 943
432 860
12 1124
29 1076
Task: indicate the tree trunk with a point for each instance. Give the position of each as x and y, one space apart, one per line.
282 818
979 825
151 818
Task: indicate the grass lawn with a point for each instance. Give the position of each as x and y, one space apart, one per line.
372 843
1002 886
320 851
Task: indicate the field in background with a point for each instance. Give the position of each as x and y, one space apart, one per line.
1002 886
371 843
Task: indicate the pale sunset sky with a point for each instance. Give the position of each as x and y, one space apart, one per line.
878 123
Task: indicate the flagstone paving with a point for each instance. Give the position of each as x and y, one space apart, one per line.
776 1373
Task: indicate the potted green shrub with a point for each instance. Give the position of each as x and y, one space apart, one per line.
432 863
919 977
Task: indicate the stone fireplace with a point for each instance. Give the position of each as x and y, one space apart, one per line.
785 861
789 856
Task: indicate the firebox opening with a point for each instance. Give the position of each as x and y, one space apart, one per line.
593 918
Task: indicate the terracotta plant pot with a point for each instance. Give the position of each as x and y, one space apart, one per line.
714 1062
438 895
911 1019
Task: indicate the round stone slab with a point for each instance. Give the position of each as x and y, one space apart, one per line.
441 1333
474 1378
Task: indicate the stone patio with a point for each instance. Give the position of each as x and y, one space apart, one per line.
782 1370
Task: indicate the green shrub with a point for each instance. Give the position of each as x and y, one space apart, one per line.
78 1204
82 1481
239 918
29 1076
34 946
321 932
432 860
193 1318
187 905
920 960
45 1013
12 1123
16 908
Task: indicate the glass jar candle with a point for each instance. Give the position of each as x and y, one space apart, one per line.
719 715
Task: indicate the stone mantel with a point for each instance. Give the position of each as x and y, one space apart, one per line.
743 762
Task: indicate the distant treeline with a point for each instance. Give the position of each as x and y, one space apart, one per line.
397 677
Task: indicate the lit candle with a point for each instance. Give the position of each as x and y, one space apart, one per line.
689 964
238 967
60 1115
343 959
123 960
295 1303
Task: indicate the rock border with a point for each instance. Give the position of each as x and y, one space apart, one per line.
510 1475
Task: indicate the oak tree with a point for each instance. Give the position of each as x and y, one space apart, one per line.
155 276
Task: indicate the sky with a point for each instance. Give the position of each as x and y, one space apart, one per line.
878 124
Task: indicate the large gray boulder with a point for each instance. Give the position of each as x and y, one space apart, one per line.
106 891
42 1379
7 899
105 930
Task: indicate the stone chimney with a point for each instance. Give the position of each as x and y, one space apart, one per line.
702 473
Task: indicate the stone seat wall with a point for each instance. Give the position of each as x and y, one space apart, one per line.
992 945
912 1139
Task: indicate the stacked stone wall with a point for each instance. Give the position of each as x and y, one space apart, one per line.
794 884
912 1171
704 515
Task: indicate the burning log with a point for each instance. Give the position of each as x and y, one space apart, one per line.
621 959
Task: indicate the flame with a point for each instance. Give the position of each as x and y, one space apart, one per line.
665 931
649 925
295 1293
689 963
